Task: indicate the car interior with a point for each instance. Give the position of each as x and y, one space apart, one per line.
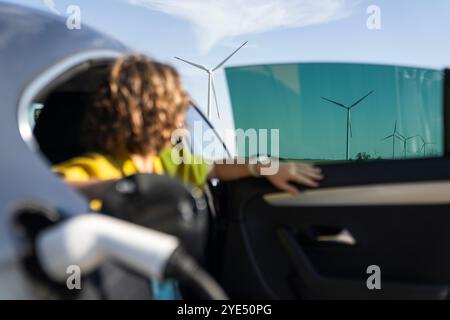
75 95
262 249
56 117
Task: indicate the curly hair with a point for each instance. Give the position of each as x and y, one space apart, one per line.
137 109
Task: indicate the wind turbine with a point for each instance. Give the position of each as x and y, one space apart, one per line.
349 118
424 145
211 82
394 136
405 142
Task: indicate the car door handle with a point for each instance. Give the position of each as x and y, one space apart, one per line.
314 285
342 237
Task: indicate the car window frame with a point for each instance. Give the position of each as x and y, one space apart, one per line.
196 109
446 110
49 79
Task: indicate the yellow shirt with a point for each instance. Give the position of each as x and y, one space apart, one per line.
95 166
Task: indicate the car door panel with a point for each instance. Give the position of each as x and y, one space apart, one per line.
392 214
323 251
413 193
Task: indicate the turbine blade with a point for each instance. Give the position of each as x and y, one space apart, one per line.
193 64
336 103
395 127
421 149
360 100
387 137
400 135
229 57
421 138
215 95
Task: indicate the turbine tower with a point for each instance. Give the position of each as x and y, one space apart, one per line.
424 145
394 135
211 82
405 142
349 118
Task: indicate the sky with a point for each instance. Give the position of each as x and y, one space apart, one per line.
412 33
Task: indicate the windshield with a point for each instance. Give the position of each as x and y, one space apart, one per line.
335 112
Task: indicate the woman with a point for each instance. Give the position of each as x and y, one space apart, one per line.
129 131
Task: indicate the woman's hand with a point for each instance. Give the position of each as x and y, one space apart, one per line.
301 173
280 174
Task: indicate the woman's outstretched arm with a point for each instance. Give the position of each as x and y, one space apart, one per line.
301 173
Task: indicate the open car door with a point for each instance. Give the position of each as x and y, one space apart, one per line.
379 225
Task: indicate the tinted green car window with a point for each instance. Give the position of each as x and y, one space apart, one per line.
395 112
